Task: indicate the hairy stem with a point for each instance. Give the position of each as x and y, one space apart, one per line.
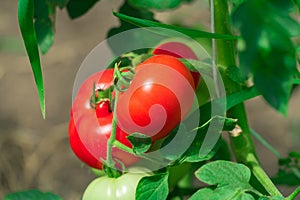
242 144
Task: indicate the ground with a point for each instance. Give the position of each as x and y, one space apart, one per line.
35 153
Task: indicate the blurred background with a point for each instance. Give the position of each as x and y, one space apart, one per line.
35 153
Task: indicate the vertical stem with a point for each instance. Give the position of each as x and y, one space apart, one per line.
112 138
226 57
242 144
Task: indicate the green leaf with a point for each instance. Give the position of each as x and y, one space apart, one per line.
44 15
289 170
209 194
45 34
25 18
155 4
196 65
271 198
236 3
140 142
176 144
204 67
198 150
239 97
76 8
223 152
231 179
286 178
297 3
126 8
268 52
203 194
60 3
225 173
31 195
189 32
153 187
235 74
296 81
194 140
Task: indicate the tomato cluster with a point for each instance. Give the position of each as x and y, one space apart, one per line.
160 95
90 125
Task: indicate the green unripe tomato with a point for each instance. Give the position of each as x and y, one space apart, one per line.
123 187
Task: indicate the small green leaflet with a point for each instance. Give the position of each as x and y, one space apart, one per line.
189 32
289 170
77 8
153 187
31 195
268 52
25 17
231 179
155 4
140 142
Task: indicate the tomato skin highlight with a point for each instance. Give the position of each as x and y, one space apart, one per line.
90 128
178 50
151 105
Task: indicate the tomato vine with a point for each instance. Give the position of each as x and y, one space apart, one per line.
153 103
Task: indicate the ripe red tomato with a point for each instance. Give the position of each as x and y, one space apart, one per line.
90 128
178 50
159 97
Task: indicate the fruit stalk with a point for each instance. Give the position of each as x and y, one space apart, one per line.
112 138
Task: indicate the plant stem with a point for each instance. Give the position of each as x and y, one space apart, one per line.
294 194
261 175
112 138
242 144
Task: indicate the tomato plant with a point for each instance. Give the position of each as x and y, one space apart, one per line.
118 119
